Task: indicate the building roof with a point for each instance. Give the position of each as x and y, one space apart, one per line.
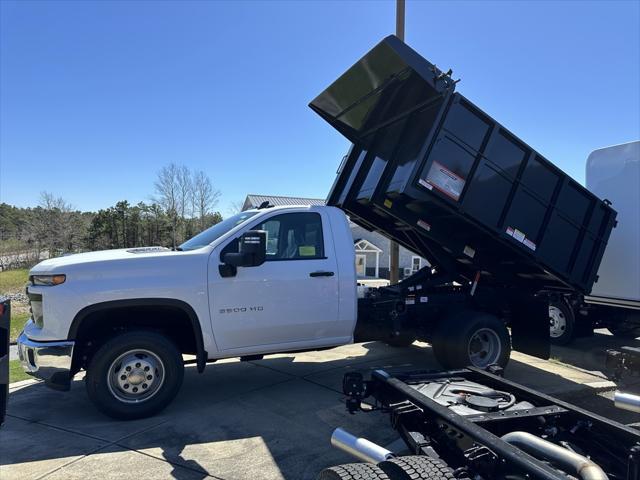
253 200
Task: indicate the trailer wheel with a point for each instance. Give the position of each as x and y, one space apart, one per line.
353 471
416 467
472 338
134 375
561 322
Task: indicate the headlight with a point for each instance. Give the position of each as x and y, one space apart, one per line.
47 280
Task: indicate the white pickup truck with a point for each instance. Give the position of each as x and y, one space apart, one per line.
128 316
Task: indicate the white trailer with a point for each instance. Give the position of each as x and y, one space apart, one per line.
612 173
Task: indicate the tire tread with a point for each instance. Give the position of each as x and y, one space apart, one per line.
416 467
353 471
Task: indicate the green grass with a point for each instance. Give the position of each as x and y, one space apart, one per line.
13 281
16 373
17 323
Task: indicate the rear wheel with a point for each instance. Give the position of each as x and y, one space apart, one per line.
134 375
561 322
416 467
353 471
472 338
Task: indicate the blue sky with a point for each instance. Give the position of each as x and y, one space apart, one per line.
95 97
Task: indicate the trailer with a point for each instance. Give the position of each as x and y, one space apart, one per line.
474 424
501 227
614 302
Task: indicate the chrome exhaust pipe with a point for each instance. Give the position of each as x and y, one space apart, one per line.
627 401
361 448
563 457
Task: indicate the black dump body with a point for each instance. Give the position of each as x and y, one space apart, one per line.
435 173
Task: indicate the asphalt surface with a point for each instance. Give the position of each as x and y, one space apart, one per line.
267 419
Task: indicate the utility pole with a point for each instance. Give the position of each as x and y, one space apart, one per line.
394 248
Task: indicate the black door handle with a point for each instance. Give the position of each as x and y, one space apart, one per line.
321 274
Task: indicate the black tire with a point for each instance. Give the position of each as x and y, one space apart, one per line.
169 372
561 322
452 340
416 467
353 471
627 332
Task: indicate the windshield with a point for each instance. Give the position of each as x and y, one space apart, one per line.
210 234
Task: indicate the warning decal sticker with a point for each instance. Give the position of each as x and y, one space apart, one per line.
424 225
443 179
521 237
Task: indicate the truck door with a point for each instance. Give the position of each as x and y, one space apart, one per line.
289 301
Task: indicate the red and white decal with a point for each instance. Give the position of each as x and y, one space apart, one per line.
444 180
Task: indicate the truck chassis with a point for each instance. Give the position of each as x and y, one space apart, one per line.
486 427
443 309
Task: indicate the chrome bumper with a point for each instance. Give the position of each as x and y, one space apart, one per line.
48 361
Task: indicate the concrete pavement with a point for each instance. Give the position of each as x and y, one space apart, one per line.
267 419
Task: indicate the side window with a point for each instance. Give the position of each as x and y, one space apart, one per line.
294 236
272 227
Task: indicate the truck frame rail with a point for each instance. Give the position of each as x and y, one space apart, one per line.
486 427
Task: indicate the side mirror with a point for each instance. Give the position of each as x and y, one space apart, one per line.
253 252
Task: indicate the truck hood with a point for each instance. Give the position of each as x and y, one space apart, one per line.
54 265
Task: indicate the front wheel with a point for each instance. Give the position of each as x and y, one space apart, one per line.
472 338
134 375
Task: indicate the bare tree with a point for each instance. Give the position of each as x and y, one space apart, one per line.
53 225
185 188
168 195
205 197
236 207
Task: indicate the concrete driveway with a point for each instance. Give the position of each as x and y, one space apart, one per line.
267 419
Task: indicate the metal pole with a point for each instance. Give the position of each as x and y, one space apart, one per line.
394 248
400 19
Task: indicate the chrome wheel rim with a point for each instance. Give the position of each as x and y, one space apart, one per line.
484 348
557 322
135 376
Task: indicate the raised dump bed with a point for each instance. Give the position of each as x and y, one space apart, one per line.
433 172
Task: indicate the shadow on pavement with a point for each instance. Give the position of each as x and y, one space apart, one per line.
589 353
267 419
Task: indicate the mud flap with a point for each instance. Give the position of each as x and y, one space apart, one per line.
530 326
5 315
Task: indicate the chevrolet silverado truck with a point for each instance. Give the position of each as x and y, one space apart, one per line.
496 221
266 280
